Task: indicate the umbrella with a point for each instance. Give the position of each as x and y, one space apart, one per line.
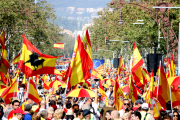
109 82
58 83
81 93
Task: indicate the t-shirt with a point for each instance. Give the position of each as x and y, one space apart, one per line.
27 116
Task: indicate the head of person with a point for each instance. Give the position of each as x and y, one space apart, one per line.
137 115
58 114
79 114
19 113
43 104
99 97
126 116
15 104
87 114
68 105
75 108
111 103
29 101
108 114
110 88
138 103
50 111
126 103
28 107
43 114
95 86
7 111
132 116
175 115
145 107
53 104
115 115
167 117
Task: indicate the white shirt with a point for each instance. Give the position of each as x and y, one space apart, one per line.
14 118
121 112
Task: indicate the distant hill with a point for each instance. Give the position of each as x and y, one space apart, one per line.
69 12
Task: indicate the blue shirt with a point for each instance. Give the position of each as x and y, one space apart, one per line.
27 116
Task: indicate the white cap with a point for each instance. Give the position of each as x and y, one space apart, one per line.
145 106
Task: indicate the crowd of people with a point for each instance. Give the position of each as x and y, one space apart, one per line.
57 106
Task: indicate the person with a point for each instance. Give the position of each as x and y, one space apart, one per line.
144 112
133 116
87 114
50 111
109 93
126 105
115 115
126 116
58 114
108 115
28 108
137 104
18 114
175 115
69 114
15 104
79 115
42 105
43 114
6 113
109 107
137 115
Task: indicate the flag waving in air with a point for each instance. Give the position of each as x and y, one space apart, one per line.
137 60
78 70
16 59
87 46
132 91
33 62
103 94
120 65
59 45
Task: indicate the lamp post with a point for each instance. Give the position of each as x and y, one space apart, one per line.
179 36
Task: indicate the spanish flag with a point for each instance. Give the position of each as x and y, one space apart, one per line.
46 82
95 74
59 45
174 81
120 65
87 46
103 94
145 74
33 62
119 96
137 60
32 92
78 70
163 88
2 38
175 96
173 69
132 91
138 77
16 59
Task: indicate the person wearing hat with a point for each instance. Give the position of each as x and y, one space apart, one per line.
87 114
18 114
137 104
144 112
28 108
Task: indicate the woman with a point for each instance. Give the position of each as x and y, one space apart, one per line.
175 115
58 114
50 111
108 115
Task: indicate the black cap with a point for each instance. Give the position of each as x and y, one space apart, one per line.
86 112
139 101
28 107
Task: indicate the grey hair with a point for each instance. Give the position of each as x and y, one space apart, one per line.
6 113
43 113
111 102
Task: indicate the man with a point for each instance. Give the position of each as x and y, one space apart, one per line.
42 105
126 104
18 114
137 115
137 104
87 114
144 112
28 108
105 109
115 115
109 93
79 115
15 104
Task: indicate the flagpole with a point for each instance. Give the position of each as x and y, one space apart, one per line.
27 91
158 79
66 90
156 106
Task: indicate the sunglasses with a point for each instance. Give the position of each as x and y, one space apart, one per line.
126 103
175 115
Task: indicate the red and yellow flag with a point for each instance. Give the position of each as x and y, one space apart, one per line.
120 65
59 45
100 69
46 82
33 62
78 70
138 77
96 74
87 46
103 94
137 60
32 93
132 91
163 88
119 96
2 38
173 69
16 59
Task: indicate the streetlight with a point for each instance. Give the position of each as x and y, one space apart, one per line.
179 36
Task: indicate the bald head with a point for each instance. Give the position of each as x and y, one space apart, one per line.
115 115
43 102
